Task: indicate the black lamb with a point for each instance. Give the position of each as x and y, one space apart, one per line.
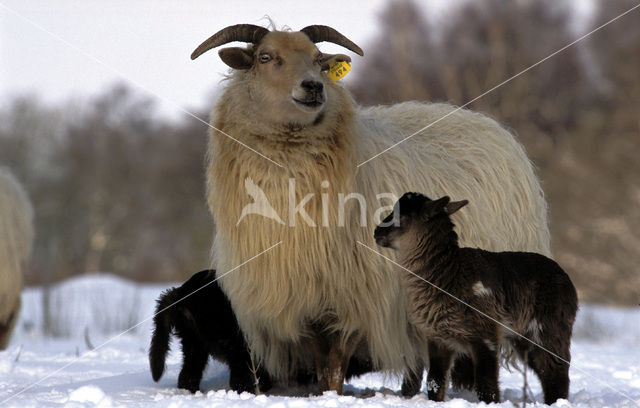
206 325
477 293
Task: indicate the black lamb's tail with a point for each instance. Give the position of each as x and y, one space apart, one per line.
161 334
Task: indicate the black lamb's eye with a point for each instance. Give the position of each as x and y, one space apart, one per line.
319 58
264 58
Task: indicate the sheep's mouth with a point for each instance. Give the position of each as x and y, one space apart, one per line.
312 103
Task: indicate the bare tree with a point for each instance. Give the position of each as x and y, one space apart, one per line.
116 188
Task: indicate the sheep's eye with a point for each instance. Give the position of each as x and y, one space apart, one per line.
319 58
264 58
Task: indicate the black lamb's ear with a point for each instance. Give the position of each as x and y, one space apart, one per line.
439 204
442 200
428 208
454 206
236 57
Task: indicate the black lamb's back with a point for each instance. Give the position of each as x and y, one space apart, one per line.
523 276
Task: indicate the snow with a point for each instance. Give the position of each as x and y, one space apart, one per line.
39 370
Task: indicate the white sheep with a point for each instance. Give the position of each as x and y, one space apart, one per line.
16 237
318 290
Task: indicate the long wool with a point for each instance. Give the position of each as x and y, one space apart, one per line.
16 237
320 272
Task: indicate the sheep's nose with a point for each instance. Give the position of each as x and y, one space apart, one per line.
315 87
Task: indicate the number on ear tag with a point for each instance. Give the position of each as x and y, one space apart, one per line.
338 69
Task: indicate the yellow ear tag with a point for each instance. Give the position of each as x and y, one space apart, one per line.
338 69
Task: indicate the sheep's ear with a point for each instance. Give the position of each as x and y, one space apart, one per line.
236 57
328 59
454 206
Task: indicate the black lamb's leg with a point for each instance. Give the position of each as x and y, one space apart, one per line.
462 373
194 360
413 380
552 373
439 364
486 372
264 380
241 377
246 375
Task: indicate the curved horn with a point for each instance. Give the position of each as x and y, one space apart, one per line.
319 33
240 32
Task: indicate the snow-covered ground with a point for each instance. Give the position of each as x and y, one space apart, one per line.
45 371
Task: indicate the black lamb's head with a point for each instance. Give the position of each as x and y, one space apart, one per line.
412 210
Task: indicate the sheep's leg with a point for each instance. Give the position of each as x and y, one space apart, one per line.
332 356
6 327
486 372
439 364
339 357
194 360
413 380
337 367
321 346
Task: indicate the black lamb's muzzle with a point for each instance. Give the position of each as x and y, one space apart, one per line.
383 242
381 238
387 220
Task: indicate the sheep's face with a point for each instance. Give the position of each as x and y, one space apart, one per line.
289 83
411 215
286 78
282 69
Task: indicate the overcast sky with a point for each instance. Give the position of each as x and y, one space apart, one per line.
62 48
